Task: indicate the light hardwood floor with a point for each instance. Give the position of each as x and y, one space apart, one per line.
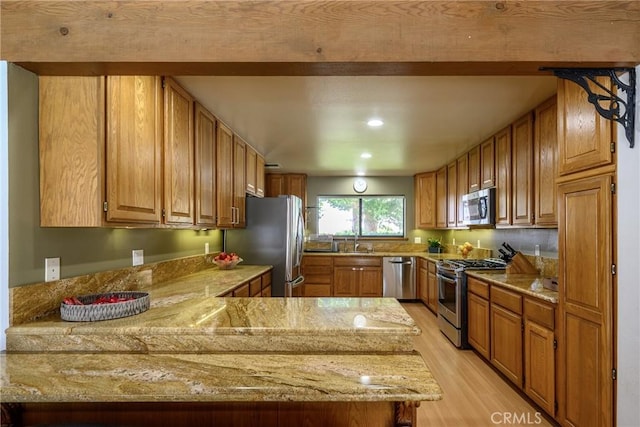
473 393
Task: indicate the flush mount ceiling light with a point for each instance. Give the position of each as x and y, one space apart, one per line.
360 173
374 123
365 155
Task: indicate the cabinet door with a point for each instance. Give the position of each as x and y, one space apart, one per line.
432 288
441 197
462 186
545 159
178 155
239 184
370 282
423 283
251 170
425 200
522 171
134 149
275 184
478 324
585 248
241 291
205 161
503 177
540 366
345 281
224 176
452 194
260 190
584 135
296 184
506 343
488 163
71 146
474 169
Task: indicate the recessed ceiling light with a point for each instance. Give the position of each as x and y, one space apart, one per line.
374 123
365 155
360 173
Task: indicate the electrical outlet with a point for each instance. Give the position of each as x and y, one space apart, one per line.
51 269
417 240
206 248
537 250
138 257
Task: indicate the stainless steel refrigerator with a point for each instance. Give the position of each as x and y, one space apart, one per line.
274 235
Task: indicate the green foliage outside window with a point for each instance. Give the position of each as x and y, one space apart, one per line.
370 216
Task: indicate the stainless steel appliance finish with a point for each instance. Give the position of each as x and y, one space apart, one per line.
399 277
452 295
274 235
478 208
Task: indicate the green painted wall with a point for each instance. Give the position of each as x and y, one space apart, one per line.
81 250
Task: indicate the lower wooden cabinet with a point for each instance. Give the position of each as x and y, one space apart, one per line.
506 343
478 324
257 287
318 276
357 277
428 284
539 365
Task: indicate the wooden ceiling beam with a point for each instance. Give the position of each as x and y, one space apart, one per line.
317 37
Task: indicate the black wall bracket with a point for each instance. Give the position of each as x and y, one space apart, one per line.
608 104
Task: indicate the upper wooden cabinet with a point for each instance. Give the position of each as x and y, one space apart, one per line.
205 161
474 169
254 172
441 197
425 200
452 194
239 180
462 170
585 137
100 151
545 164
522 171
291 183
224 177
178 155
503 176
488 163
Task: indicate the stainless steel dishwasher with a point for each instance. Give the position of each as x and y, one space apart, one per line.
399 277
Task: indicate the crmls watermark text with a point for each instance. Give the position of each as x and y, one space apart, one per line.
510 418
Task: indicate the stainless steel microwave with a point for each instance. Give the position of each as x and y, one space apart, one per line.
479 207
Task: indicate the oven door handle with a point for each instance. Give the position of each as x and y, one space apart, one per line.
445 278
441 284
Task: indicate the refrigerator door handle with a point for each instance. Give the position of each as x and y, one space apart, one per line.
291 285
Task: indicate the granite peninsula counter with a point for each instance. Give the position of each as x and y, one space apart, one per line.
196 359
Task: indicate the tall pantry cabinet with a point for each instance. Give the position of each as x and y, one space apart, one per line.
587 281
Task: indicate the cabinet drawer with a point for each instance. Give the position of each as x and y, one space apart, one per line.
478 287
255 287
539 312
326 261
507 299
317 290
241 291
432 267
318 274
372 261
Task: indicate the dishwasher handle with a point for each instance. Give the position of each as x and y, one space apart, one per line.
401 262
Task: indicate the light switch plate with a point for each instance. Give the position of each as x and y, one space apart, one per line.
138 257
51 269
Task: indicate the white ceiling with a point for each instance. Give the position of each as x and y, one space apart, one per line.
317 124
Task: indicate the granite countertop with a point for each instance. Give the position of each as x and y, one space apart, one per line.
423 254
44 377
517 282
194 322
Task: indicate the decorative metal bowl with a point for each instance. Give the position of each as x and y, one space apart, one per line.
90 311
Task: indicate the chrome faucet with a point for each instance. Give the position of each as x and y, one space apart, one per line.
355 243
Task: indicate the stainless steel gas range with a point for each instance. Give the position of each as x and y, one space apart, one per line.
452 295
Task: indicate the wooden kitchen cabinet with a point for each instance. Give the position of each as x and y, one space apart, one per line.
441 197
254 172
425 200
357 277
205 161
503 176
506 333
291 183
539 353
318 275
452 194
266 284
242 290
474 169
178 155
428 284
488 163
545 164
586 299
100 151
585 137
479 333
230 178
462 185
522 171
